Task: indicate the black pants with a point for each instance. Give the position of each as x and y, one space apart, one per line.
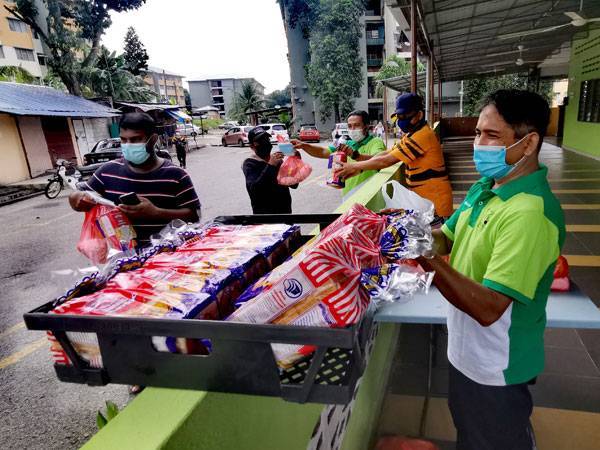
181 157
490 417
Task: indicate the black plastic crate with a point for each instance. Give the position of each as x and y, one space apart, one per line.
241 360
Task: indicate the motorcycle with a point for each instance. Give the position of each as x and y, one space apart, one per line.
68 174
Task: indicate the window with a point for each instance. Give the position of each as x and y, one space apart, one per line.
17 25
589 101
24 54
279 127
41 59
1 52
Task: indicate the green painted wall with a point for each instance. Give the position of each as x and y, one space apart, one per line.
171 419
585 65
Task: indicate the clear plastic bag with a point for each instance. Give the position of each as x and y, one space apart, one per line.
293 171
403 198
407 236
395 282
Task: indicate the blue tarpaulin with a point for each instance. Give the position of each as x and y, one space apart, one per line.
33 100
180 116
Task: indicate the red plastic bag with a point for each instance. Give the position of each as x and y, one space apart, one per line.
91 242
293 171
561 281
105 228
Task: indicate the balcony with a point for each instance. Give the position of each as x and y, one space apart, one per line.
374 62
375 40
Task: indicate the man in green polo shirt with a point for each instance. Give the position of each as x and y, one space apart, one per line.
503 242
361 143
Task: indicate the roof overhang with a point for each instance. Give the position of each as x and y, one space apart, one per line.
471 38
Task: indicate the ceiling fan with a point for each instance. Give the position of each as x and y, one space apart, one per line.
519 61
576 21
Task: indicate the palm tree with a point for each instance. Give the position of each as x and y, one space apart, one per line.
248 99
110 78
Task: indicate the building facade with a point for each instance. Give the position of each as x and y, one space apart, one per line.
167 85
381 38
219 92
40 125
386 33
19 45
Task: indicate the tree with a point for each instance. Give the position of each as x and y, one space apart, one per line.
394 66
334 73
476 89
16 75
110 77
278 97
136 57
71 30
248 99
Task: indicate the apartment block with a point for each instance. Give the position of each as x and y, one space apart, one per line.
19 45
167 85
219 92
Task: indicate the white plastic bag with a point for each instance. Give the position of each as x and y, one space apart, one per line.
403 198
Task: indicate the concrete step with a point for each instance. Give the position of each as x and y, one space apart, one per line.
12 194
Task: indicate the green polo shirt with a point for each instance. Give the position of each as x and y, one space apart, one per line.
507 239
371 145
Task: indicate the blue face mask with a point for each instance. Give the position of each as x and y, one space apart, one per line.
135 153
490 160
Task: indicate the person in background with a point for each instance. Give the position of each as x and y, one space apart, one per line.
503 241
379 130
165 191
421 152
362 145
181 144
261 169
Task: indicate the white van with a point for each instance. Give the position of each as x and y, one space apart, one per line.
275 129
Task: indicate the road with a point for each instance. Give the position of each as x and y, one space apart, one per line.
38 240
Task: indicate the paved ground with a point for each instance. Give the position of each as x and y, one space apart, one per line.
39 237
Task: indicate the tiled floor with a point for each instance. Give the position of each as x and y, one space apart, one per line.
570 384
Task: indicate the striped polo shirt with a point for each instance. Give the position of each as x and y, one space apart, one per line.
426 173
168 187
508 239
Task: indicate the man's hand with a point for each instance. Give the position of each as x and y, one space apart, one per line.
145 209
276 159
346 149
348 170
298 145
81 201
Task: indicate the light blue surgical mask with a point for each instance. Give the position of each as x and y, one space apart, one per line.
490 160
135 153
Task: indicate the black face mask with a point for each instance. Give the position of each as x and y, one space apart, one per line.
263 149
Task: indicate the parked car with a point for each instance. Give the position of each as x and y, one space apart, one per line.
340 129
275 129
109 149
236 136
188 129
309 133
228 125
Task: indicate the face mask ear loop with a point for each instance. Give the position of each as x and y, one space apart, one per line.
518 142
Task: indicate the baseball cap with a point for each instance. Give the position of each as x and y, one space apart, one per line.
408 103
256 133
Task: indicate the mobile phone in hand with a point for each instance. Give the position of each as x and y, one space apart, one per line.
130 199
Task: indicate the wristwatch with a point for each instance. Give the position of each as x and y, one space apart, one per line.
355 155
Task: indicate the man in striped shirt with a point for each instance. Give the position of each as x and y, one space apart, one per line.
420 151
165 191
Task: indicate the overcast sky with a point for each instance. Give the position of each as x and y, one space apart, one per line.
210 38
